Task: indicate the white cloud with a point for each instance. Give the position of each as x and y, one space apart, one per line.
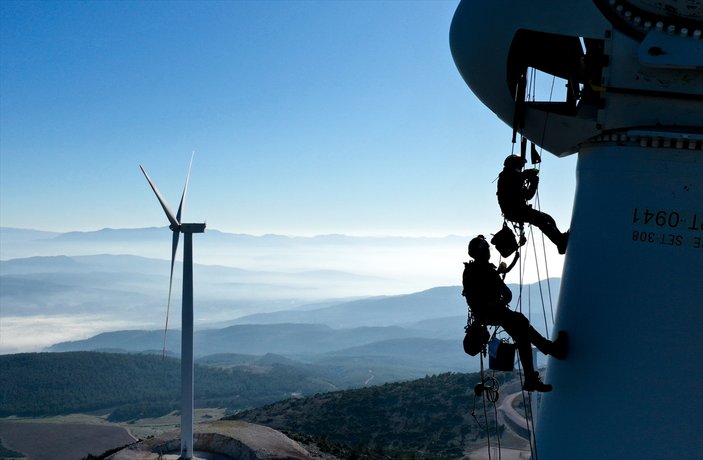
34 333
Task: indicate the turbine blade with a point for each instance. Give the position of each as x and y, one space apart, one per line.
175 223
174 248
185 189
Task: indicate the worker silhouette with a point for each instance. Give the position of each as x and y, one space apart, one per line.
487 297
515 188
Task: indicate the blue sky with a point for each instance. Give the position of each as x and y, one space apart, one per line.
307 117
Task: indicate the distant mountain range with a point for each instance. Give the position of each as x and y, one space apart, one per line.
388 265
253 339
377 354
83 302
374 311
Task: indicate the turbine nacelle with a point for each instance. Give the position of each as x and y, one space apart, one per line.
188 228
192 228
624 65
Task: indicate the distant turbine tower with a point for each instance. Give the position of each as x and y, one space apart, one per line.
187 310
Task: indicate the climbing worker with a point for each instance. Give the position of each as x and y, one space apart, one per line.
487 297
515 188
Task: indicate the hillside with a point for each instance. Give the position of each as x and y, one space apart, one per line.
432 415
131 386
348 357
374 311
415 335
249 339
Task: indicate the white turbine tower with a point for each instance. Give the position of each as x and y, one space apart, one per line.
632 285
187 309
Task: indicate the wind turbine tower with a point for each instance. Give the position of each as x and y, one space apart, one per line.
177 227
632 283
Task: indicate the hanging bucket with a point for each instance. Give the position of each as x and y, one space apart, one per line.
501 355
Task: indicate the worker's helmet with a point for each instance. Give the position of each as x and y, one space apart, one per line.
514 162
479 248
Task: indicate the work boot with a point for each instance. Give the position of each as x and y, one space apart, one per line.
560 347
534 383
563 241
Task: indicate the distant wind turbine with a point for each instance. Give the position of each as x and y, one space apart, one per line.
187 310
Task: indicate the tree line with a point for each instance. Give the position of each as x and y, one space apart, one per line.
129 385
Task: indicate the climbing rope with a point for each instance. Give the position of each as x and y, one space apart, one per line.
527 397
523 256
529 421
537 200
487 389
546 265
539 281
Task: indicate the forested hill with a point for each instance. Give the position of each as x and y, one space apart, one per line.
136 385
432 415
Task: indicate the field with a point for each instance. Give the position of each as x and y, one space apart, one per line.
75 436
58 441
146 427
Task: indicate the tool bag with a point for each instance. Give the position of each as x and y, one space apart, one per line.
476 338
505 241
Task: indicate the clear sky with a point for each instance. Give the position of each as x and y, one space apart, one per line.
307 117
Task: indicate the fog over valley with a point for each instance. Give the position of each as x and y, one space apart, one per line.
59 287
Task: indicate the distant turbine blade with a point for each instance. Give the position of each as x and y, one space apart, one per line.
185 189
174 248
175 223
